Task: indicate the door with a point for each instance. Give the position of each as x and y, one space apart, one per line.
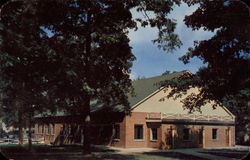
201 138
169 138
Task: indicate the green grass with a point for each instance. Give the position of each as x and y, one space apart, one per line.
93 156
40 152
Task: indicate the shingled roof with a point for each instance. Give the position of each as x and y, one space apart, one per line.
146 86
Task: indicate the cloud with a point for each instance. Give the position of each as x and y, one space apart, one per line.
143 34
151 61
133 76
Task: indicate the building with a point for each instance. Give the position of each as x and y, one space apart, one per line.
155 121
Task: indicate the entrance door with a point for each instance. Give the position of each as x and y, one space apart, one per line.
201 138
169 138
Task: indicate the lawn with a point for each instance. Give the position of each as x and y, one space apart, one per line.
42 152
95 156
230 153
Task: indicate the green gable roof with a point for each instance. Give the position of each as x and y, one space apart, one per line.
145 87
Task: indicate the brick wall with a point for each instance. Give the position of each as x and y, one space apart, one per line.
154 143
120 142
222 136
164 131
130 121
176 131
45 135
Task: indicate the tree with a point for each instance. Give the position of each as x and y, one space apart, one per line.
79 53
166 72
21 56
226 77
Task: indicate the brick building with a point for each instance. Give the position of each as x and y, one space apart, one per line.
155 121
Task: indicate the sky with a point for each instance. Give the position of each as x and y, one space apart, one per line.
152 61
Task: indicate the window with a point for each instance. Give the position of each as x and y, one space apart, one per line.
201 136
40 128
46 131
138 132
49 129
186 133
62 131
69 130
214 133
153 134
52 130
117 131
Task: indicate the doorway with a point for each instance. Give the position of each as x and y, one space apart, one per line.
201 138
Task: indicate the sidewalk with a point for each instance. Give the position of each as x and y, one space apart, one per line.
189 151
196 152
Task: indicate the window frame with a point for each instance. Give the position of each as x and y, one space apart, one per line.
152 135
216 134
136 132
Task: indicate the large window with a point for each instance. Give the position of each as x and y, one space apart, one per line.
153 134
186 134
40 128
138 132
214 133
117 131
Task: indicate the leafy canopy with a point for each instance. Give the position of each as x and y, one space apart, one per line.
63 53
225 78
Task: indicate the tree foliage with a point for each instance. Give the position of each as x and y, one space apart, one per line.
226 55
225 78
65 53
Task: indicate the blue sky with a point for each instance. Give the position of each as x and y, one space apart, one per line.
150 60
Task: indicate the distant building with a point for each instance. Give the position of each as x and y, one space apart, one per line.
155 121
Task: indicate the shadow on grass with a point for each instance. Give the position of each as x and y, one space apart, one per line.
174 155
53 156
50 149
59 152
230 153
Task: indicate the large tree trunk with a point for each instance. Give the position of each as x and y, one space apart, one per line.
20 126
86 132
87 128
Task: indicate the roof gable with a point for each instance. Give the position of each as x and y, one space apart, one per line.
147 86
158 103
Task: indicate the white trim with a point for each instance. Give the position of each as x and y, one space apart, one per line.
139 140
153 120
228 111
